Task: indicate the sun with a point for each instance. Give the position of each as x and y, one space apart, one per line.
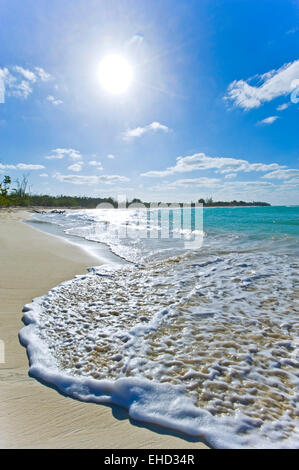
115 74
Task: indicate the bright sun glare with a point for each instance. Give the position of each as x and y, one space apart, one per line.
115 74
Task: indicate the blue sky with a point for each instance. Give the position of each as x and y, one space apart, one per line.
212 110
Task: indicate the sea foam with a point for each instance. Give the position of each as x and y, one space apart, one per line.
205 345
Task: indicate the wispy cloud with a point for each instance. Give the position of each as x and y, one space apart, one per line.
230 176
239 190
200 161
293 30
214 184
282 174
76 167
42 74
54 100
21 166
96 164
110 179
111 156
275 83
283 106
131 134
191 183
91 180
76 179
268 120
3 73
28 74
59 153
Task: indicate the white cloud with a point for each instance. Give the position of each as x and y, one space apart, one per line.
76 179
191 183
21 166
54 100
59 153
76 166
200 161
43 75
20 89
111 156
250 184
19 81
90 180
283 106
109 179
56 156
230 175
24 166
131 134
291 184
268 120
96 164
28 74
71 153
44 175
203 187
274 84
276 192
282 174
3 75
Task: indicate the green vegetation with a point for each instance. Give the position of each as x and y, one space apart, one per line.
4 185
19 196
210 203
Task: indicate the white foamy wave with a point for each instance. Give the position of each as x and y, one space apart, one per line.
200 344
129 234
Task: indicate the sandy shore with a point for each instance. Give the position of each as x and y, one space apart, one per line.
31 414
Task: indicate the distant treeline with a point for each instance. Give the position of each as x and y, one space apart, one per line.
19 196
210 203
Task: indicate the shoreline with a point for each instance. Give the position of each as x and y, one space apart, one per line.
33 415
